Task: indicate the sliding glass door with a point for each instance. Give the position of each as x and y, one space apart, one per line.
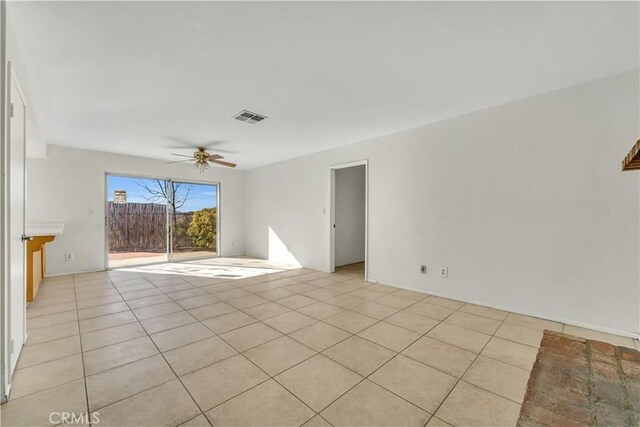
136 221
194 220
156 220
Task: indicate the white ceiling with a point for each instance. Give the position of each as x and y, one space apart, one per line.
151 78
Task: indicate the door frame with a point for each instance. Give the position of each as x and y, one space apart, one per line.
5 384
144 176
332 213
6 289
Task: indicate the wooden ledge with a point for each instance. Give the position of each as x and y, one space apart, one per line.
632 161
36 245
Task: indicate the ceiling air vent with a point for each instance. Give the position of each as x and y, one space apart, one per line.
249 117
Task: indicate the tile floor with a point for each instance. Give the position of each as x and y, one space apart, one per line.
295 347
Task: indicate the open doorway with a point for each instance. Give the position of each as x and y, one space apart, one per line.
349 210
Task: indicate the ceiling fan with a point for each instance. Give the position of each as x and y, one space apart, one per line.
202 159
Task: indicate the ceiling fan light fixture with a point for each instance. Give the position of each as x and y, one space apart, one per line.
202 165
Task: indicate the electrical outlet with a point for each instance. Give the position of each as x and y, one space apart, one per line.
68 256
423 269
444 272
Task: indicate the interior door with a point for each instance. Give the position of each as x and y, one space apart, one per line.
16 183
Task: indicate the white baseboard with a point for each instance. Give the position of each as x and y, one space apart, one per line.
231 255
633 335
74 272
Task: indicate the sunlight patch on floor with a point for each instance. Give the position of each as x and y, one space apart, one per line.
220 268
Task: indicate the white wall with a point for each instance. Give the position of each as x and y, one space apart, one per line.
350 210
36 147
69 182
525 204
12 302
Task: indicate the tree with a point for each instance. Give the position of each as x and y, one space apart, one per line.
158 192
202 229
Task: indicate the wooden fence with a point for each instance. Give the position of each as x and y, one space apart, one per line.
142 227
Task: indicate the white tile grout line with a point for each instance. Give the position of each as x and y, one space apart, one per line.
168 364
388 361
465 372
425 334
239 353
84 372
178 377
257 320
317 320
350 336
269 377
223 300
102 281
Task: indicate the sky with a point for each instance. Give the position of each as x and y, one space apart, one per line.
200 195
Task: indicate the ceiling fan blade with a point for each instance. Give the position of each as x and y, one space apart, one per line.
220 162
180 161
215 157
179 143
180 155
